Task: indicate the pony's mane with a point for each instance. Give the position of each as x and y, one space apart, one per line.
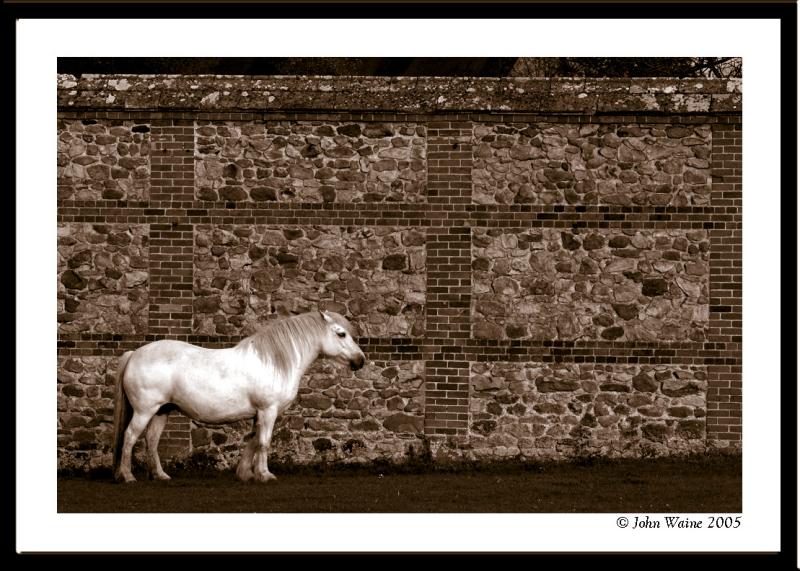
277 342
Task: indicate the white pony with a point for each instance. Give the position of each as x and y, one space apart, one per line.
258 378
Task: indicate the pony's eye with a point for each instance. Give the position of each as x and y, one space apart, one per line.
341 333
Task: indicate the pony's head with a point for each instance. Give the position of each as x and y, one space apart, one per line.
338 342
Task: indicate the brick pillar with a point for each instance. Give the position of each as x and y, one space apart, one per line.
171 251
725 288
448 280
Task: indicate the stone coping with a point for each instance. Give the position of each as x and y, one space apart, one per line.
414 95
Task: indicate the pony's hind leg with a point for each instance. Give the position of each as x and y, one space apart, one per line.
135 428
152 437
244 470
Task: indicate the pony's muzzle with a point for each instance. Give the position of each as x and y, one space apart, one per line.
358 362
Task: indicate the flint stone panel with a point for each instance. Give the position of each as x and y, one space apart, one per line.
244 274
85 411
310 162
613 285
375 413
102 278
566 409
100 160
624 165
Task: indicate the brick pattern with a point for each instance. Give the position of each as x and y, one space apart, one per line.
171 242
449 277
176 439
725 317
446 346
171 239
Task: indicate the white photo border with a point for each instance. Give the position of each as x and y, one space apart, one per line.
41 42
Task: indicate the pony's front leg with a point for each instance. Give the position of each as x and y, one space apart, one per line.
265 420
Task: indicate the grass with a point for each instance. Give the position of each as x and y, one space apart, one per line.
688 485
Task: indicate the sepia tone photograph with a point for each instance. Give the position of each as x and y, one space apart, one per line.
399 285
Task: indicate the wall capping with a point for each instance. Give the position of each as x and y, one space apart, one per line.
592 96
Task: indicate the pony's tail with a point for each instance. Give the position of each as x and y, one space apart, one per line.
123 411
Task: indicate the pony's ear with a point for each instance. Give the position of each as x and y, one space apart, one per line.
325 316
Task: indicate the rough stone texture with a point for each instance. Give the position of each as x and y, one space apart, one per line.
310 162
567 409
374 413
103 160
597 284
85 410
544 163
102 278
400 94
374 276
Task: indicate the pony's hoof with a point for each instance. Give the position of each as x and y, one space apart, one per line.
244 474
265 477
163 477
123 478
